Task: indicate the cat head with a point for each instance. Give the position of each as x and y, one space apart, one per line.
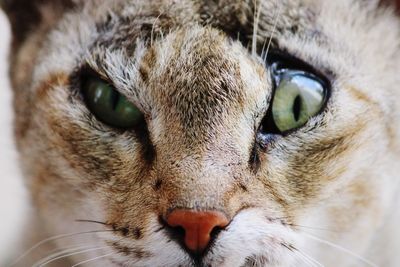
255 119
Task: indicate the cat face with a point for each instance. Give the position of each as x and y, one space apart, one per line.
205 86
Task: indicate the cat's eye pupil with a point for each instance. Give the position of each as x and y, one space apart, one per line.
114 99
109 106
296 107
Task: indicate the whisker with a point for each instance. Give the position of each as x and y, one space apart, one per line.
60 250
282 219
263 49
70 254
312 228
278 13
60 253
44 241
257 13
345 250
309 258
93 259
305 259
93 221
303 256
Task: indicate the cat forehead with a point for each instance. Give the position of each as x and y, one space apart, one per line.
119 25
107 33
235 18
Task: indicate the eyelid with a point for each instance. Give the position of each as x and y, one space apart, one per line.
87 72
280 74
285 60
283 67
280 63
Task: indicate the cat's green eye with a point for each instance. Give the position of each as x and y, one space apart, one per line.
109 106
298 97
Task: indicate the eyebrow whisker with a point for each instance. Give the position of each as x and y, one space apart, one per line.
278 14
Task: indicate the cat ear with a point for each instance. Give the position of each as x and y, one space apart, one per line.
373 4
394 3
28 16
397 5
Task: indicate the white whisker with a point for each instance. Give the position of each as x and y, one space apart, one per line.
257 13
71 254
303 256
93 259
263 49
305 260
345 250
310 259
278 14
52 239
61 250
313 228
60 253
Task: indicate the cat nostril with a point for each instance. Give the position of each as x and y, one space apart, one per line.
196 228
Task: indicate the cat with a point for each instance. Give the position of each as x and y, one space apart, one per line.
208 133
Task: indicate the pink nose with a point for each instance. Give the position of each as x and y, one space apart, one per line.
198 226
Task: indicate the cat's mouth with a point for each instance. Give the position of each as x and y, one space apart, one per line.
249 240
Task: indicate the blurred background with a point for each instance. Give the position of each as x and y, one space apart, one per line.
13 204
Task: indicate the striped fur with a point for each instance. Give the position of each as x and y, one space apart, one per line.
194 68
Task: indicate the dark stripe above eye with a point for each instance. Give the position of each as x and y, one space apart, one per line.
285 60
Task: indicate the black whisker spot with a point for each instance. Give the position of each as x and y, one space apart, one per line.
140 253
122 249
137 233
124 231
